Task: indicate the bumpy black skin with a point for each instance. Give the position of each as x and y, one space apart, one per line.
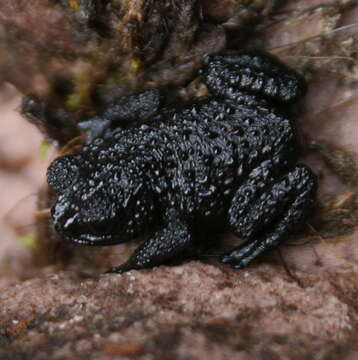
223 163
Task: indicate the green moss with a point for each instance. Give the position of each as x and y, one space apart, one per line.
28 241
43 151
74 4
136 64
74 102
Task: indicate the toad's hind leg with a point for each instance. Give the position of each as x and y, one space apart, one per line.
173 241
272 216
253 72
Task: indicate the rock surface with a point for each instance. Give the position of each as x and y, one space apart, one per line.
201 309
193 311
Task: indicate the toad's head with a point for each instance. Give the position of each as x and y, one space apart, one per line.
98 203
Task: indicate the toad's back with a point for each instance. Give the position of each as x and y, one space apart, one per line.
199 154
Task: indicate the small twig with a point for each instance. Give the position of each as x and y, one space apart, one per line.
75 141
43 213
328 247
288 271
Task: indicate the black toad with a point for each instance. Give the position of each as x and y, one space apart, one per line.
223 163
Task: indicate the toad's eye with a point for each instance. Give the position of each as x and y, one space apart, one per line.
62 172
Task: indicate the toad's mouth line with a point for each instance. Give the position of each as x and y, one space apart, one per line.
93 240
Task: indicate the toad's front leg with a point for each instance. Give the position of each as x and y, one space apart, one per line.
174 240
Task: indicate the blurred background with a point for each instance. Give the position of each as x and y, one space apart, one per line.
22 173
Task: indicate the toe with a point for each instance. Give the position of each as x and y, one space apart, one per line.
226 259
119 269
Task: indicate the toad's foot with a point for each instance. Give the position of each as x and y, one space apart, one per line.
173 241
253 72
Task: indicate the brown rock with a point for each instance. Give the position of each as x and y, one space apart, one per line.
194 311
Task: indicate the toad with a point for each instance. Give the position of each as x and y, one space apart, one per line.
227 162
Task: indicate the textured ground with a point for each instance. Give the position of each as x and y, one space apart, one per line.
194 311
202 310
